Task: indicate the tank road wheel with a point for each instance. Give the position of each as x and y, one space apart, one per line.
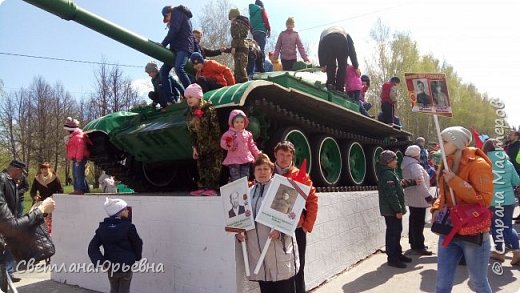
354 163
301 145
398 170
327 162
373 158
159 175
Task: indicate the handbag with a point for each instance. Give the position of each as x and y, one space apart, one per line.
463 221
33 243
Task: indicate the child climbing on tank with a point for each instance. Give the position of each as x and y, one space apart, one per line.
204 131
240 146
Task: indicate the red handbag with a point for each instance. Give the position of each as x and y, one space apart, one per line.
468 219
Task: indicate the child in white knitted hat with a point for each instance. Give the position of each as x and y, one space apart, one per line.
122 245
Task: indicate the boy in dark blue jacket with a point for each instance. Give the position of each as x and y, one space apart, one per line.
121 244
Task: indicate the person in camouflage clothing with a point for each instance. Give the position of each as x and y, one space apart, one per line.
204 131
239 46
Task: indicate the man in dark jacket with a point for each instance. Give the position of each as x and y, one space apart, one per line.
122 245
11 226
336 45
391 206
205 52
180 40
22 188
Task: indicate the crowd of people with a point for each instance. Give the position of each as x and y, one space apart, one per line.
486 177
467 177
336 48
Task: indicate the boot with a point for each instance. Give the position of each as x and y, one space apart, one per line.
516 258
497 256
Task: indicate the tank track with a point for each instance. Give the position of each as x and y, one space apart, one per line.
278 112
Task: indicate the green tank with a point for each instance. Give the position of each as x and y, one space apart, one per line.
150 150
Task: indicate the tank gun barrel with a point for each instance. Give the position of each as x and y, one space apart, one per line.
68 10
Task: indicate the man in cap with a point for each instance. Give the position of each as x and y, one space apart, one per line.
181 42
8 190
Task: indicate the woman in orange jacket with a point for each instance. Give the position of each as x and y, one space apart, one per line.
471 179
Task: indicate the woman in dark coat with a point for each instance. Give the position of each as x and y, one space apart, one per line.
45 184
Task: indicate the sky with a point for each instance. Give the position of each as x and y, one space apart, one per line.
480 38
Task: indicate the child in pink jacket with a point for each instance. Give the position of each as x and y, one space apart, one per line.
240 146
353 87
78 153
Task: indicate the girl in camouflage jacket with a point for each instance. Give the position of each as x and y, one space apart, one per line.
205 137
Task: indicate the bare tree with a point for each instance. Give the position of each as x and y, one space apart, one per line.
215 28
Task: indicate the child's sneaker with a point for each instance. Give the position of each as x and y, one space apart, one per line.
210 192
198 192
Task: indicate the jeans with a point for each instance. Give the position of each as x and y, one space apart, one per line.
477 258
356 97
181 57
78 173
394 227
120 282
416 224
237 171
260 38
502 228
299 278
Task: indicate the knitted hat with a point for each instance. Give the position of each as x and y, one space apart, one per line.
196 58
165 11
234 12
151 66
259 3
71 124
420 140
413 151
290 21
193 90
458 135
114 206
386 157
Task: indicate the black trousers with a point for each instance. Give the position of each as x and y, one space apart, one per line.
387 112
284 286
288 64
301 239
416 227
394 227
334 47
207 84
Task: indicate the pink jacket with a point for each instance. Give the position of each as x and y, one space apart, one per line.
243 148
286 45
77 146
352 80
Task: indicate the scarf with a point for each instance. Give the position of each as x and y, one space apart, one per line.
283 171
45 180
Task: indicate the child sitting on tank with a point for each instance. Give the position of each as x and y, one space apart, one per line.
174 94
211 74
204 131
240 146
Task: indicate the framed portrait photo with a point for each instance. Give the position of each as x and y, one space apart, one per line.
283 204
237 206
